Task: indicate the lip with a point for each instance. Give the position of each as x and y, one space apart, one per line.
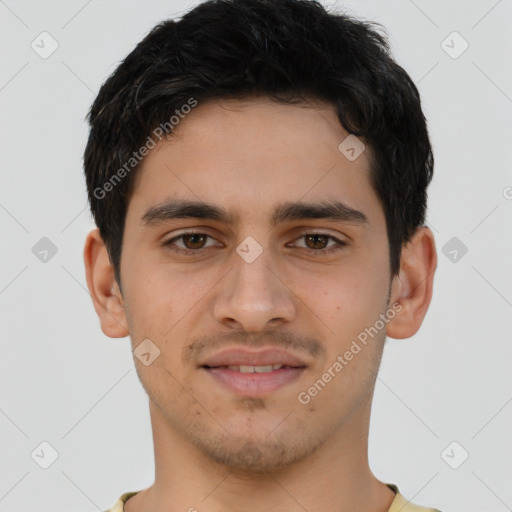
245 357
253 384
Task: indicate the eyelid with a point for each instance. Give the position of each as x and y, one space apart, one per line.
304 232
339 242
320 231
188 232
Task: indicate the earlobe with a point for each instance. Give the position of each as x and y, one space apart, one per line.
106 296
412 288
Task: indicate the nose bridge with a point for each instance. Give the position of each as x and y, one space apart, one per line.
253 294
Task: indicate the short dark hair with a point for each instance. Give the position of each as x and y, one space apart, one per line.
287 50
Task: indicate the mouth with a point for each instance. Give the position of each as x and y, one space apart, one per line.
253 369
254 374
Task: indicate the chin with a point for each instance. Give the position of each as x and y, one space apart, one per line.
257 453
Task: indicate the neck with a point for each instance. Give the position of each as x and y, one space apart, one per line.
335 477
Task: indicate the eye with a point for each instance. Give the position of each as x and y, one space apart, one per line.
193 242
317 242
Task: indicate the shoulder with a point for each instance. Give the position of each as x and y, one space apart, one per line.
118 506
400 504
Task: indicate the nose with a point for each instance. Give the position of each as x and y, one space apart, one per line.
253 295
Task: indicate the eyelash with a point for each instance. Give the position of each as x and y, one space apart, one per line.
340 243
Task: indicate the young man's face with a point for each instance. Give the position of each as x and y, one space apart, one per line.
257 284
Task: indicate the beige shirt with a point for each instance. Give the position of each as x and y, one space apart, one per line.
400 504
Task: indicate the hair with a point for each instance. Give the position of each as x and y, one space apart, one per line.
287 50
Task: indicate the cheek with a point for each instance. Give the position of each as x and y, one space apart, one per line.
345 300
163 304
156 291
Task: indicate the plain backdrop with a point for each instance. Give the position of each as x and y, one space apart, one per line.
442 413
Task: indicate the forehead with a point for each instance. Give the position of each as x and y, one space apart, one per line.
255 152
233 128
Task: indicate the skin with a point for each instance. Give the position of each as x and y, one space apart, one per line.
216 450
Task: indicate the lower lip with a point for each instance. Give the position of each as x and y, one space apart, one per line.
255 384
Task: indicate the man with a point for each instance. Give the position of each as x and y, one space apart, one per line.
258 173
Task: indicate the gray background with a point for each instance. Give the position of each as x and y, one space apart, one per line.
63 382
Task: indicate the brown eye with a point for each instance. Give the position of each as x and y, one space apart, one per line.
320 243
189 243
316 241
194 240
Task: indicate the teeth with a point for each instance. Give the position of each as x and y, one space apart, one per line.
263 369
255 369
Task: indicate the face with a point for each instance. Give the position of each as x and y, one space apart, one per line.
256 280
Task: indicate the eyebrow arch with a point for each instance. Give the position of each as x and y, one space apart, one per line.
335 211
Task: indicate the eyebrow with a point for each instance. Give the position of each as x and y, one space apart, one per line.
335 211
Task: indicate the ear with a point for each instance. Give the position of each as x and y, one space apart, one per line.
412 288
105 293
